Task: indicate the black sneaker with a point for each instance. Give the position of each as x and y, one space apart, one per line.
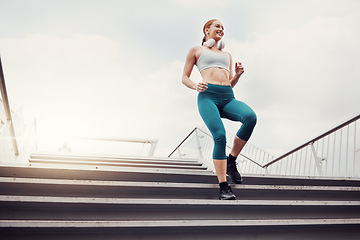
226 193
233 172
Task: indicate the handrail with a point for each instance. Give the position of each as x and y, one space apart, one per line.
7 110
304 146
182 141
152 142
230 148
196 128
313 140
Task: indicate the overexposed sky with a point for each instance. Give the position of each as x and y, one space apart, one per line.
113 67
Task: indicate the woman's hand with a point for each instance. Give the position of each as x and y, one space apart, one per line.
201 87
239 69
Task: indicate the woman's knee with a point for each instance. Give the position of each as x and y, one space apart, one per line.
248 126
251 119
219 145
219 137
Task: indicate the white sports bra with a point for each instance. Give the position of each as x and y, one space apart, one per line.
210 59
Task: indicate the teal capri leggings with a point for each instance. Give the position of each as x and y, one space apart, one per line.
218 102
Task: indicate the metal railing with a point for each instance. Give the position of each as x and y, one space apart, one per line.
198 144
336 153
16 139
105 146
9 124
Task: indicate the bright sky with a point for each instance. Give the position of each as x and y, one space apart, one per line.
113 68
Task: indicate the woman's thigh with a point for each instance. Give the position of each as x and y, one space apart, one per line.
237 110
211 116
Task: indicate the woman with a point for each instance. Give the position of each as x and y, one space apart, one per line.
216 100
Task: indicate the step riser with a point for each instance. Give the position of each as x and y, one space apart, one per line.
124 175
107 212
21 189
322 232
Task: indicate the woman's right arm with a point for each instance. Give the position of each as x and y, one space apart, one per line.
189 65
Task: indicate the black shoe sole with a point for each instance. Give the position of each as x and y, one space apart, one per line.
228 198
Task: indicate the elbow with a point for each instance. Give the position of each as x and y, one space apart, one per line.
184 80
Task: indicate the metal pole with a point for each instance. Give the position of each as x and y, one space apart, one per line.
152 148
355 166
347 151
333 158
7 110
199 145
182 141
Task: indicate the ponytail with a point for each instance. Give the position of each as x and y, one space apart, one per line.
203 40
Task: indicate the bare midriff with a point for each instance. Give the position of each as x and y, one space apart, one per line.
216 76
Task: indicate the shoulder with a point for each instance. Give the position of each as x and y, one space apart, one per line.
194 53
195 50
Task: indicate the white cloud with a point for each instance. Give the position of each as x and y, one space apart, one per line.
301 81
335 7
79 85
302 67
57 78
202 3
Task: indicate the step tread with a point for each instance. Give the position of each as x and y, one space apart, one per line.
169 184
101 156
174 223
123 169
118 164
108 161
139 201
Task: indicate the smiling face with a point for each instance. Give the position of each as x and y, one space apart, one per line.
215 30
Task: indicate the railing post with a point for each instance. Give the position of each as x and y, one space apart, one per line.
199 146
356 171
318 160
152 148
7 110
180 156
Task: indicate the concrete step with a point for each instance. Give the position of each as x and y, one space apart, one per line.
126 189
111 160
248 179
299 180
159 175
295 229
110 173
129 209
65 196
99 164
59 155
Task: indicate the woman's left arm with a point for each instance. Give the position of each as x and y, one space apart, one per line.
239 70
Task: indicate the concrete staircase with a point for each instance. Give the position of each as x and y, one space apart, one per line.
63 196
